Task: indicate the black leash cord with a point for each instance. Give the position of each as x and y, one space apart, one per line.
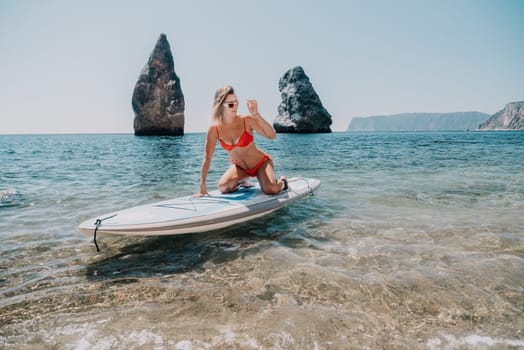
97 223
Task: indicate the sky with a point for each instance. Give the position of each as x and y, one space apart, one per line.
71 66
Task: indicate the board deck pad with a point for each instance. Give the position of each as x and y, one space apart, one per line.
193 215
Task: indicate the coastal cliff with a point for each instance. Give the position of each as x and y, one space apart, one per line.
158 101
458 121
511 117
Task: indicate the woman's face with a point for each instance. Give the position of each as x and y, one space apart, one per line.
230 105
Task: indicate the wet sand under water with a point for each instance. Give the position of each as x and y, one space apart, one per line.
293 291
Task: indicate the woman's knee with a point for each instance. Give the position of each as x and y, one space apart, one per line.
224 186
228 185
272 188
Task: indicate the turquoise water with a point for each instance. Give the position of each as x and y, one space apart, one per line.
414 240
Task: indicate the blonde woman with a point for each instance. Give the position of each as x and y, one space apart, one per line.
234 132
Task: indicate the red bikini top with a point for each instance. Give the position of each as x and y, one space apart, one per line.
244 140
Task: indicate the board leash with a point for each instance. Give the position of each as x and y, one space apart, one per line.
98 222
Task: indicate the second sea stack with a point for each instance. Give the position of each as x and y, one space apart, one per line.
301 110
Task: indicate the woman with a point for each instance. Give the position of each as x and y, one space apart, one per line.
235 134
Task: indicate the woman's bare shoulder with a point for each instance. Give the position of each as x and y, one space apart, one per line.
212 130
247 117
248 121
212 126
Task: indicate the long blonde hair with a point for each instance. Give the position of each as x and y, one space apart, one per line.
220 97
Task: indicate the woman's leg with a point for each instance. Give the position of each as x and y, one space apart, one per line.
267 179
232 179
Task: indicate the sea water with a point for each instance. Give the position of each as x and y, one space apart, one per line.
413 241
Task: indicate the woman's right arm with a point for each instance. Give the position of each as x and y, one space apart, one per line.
209 150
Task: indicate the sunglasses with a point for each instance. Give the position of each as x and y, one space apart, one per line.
231 104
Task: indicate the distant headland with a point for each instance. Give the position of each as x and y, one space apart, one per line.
511 117
458 121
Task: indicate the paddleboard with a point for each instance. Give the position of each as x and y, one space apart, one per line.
193 215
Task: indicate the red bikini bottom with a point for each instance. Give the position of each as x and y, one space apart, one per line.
253 171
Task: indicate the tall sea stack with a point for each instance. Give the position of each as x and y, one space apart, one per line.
158 101
301 110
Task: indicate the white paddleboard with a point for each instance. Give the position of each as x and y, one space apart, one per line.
192 215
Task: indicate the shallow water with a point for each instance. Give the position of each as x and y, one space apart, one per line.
414 240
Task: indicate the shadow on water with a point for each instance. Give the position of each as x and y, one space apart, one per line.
126 259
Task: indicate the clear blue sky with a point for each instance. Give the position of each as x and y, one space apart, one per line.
71 66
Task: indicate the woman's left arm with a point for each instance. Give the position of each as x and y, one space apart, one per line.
261 126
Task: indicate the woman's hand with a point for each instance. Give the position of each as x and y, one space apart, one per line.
203 192
252 107
200 194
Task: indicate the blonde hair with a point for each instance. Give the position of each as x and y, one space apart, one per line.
220 97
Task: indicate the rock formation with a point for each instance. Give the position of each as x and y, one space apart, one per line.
457 121
157 100
301 110
509 118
